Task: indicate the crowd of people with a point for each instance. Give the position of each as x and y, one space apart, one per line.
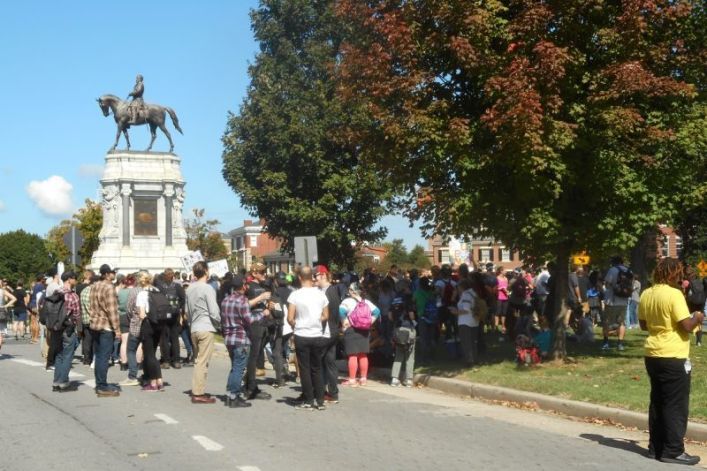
390 320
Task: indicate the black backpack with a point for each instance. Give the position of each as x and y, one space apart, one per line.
696 293
160 309
172 294
53 314
624 283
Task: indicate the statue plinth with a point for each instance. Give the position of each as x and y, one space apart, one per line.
142 199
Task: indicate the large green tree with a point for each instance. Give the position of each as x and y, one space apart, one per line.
22 255
552 126
285 155
89 221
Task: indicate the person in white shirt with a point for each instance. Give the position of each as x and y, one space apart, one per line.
468 324
307 314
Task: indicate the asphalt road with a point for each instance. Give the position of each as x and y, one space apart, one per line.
372 428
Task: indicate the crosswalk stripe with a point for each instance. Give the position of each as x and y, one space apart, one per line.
207 443
166 419
248 468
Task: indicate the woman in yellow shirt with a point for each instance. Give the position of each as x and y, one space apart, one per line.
664 314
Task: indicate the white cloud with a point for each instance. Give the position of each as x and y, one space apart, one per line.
91 170
2 206
52 196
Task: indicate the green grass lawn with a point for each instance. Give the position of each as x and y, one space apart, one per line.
613 378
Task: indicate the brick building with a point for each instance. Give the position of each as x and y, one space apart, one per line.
475 253
249 243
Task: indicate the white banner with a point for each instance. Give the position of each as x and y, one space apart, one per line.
190 259
218 268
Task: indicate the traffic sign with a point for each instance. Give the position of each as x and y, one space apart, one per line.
581 259
702 266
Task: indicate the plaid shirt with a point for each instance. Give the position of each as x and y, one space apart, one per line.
236 319
104 307
133 316
86 305
72 305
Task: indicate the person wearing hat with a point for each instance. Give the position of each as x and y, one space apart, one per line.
105 326
65 341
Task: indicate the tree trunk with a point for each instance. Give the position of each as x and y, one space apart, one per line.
560 287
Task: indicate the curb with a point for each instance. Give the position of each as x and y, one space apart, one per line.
695 431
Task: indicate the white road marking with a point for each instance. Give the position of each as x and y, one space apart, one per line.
166 419
249 468
207 443
90 383
27 362
73 375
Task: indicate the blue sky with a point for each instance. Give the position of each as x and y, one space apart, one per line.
58 57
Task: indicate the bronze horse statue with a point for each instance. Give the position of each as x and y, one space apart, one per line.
154 115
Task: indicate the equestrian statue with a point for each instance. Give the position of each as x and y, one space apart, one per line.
136 113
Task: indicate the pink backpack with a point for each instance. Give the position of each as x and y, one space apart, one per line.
361 317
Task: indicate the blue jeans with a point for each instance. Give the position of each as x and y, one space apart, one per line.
62 361
186 338
631 313
133 343
239 360
102 348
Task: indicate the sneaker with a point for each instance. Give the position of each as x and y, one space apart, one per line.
259 395
107 393
320 407
260 372
304 406
605 346
164 366
621 347
150 388
129 382
160 387
395 382
362 382
237 402
407 383
698 344
350 382
329 399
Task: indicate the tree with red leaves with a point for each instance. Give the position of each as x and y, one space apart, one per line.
554 126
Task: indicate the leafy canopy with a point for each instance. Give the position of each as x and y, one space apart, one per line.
284 153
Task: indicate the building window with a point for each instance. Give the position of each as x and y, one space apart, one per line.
486 255
443 256
678 246
665 248
253 241
505 254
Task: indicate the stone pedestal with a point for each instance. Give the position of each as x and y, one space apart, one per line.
142 199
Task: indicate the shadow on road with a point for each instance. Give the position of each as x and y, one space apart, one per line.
620 443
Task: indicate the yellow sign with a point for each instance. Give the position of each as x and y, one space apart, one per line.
581 259
702 267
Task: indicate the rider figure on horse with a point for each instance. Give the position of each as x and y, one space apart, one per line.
137 103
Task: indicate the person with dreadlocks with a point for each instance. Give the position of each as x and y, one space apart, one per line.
663 312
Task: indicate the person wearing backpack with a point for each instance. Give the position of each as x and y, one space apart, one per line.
402 317
357 315
66 329
171 327
618 289
696 297
149 301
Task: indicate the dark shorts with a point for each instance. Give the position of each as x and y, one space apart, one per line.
20 316
356 341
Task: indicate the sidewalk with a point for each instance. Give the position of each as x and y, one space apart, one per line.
695 431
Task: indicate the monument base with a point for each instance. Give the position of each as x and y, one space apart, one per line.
143 197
